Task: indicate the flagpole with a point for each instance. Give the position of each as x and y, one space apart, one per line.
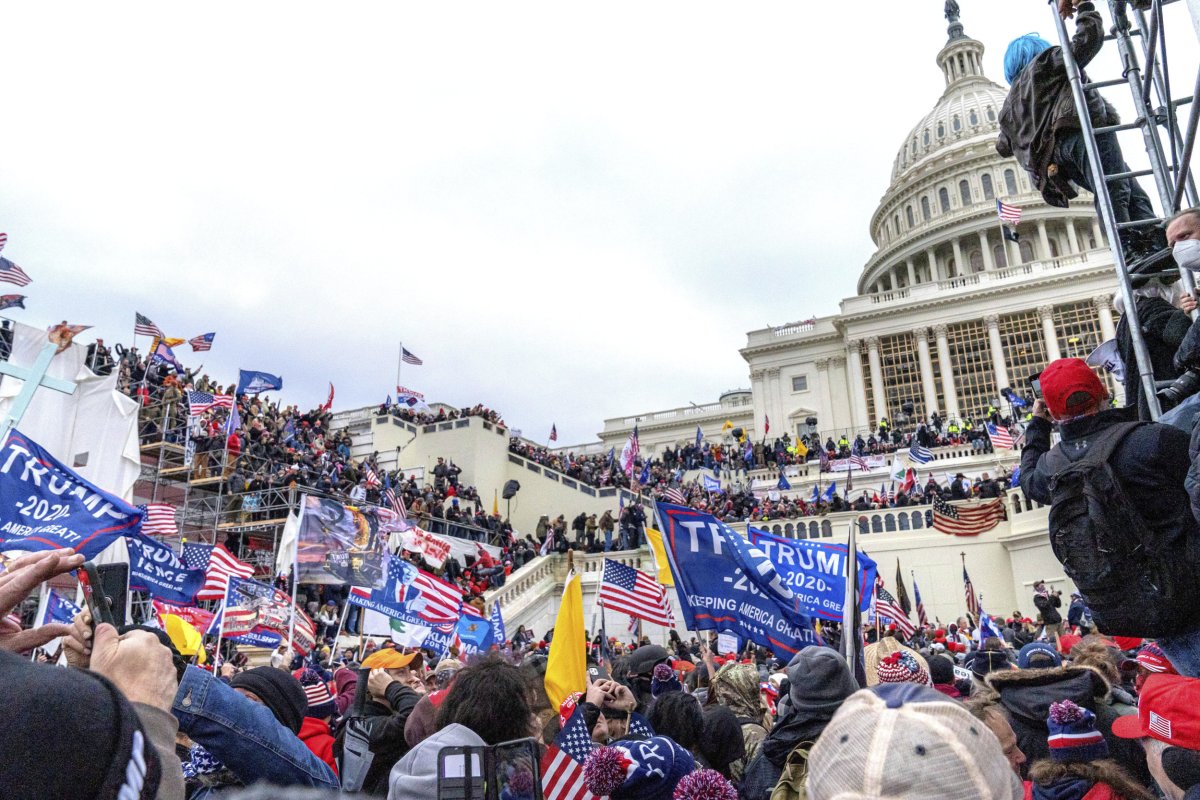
399 364
850 601
296 577
221 627
341 624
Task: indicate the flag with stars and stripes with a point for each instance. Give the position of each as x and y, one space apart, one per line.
1007 213
631 591
3 240
11 273
218 564
443 601
370 476
409 358
887 607
972 598
1001 437
199 402
673 495
966 519
562 764
142 326
922 455
160 520
202 342
922 618
554 433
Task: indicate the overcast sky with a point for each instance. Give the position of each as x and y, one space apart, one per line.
569 211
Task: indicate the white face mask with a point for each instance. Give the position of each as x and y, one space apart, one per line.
1187 254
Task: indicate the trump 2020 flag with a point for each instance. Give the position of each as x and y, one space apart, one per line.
498 632
154 568
725 583
251 381
58 609
48 506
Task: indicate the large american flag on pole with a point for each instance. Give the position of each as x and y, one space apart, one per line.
160 519
966 519
443 601
1001 437
199 402
1007 213
633 592
202 342
922 617
562 765
144 327
409 358
673 495
11 273
218 565
972 598
886 606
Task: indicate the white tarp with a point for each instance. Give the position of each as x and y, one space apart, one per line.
93 431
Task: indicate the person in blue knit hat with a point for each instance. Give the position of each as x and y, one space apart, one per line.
1079 767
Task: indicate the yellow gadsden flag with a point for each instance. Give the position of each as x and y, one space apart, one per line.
566 668
655 538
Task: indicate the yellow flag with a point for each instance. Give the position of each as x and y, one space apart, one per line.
728 424
187 640
801 450
655 538
566 668
172 342
495 503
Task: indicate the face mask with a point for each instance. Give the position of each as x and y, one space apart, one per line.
1187 254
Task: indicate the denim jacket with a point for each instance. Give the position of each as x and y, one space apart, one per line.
244 735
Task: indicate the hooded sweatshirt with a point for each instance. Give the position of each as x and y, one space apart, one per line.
414 777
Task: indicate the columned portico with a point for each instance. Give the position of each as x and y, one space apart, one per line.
947 370
858 392
877 384
997 347
928 388
1049 335
1103 305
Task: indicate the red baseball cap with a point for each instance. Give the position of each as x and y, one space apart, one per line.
1065 377
1168 710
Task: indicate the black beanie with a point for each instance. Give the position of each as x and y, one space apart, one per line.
989 661
941 669
57 716
279 692
1182 767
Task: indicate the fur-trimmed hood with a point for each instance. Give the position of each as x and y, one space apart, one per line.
1104 771
1027 693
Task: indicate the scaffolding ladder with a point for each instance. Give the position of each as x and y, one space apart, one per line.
1156 118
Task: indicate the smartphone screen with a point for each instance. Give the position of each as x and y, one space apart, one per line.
461 773
518 770
1035 382
94 595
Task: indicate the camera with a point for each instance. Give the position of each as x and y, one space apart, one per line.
1183 387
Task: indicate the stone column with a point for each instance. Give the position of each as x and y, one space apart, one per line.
912 272
934 274
1097 232
997 347
1104 310
989 263
947 369
762 397
1044 240
877 385
776 392
1072 237
928 387
858 392
826 412
837 377
958 258
891 278
1049 335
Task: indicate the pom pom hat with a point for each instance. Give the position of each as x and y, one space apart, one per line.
1073 735
637 770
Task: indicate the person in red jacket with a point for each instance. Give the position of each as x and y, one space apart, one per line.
314 730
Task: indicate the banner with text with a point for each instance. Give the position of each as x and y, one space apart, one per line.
432 548
340 544
154 568
816 572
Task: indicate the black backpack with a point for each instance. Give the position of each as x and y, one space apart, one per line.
1106 548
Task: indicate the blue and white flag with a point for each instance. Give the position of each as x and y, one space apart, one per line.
644 478
162 354
58 609
233 423
1015 479
830 491
816 572
711 484
986 628
816 494
783 484
154 568
498 632
252 381
474 634
48 506
725 583
922 455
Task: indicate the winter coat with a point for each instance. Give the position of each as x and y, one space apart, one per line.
1093 780
318 739
1048 605
1164 328
763 772
1040 109
1026 695
386 726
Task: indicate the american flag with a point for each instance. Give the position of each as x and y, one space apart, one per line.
635 593
554 433
3 240
922 455
1160 725
562 765
891 493
218 565
1000 436
858 462
972 598
199 402
966 519
160 519
922 618
1007 213
369 474
11 273
142 326
443 601
673 495
409 358
202 342
886 606
395 502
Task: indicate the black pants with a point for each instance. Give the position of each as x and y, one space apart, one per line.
1129 200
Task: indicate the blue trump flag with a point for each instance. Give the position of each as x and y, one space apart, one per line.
252 381
816 495
783 484
711 484
58 609
45 505
498 632
725 583
816 572
830 490
154 568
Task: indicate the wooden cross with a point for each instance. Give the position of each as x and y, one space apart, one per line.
33 377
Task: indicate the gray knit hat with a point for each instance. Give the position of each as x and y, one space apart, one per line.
820 681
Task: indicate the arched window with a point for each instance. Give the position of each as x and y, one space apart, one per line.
973 118
991 114
889 522
976 261
925 209
1053 248
956 124
1026 251
918 520
909 214
876 524
814 530
985 180
964 192
927 137
999 256
903 522
944 199
826 529
1010 182
789 531
941 130
896 220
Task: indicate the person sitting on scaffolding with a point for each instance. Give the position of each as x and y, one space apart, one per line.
1040 127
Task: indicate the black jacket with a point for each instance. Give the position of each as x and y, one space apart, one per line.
1039 108
763 772
1048 606
387 735
1164 327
